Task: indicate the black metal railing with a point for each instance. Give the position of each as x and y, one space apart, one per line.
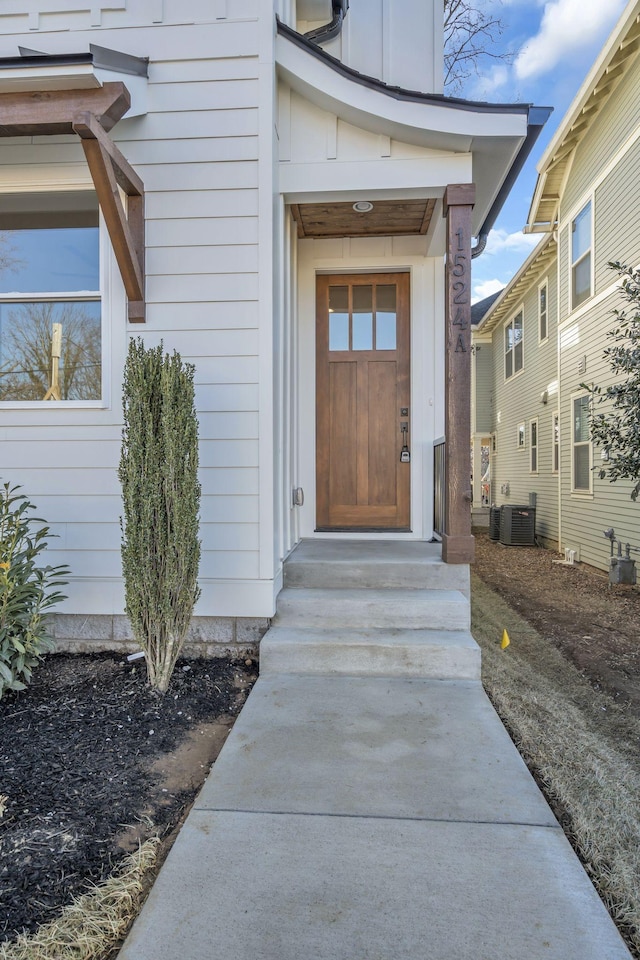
439 489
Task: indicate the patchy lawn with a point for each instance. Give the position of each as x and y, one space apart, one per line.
570 700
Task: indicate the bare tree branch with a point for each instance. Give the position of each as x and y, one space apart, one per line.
470 38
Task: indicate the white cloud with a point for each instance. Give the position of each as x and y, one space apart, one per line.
567 26
502 242
487 84
485 288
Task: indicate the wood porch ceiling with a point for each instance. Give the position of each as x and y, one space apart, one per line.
388 218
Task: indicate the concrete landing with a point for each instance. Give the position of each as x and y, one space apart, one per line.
379 565
371 819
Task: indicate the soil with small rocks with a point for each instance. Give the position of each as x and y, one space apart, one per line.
92 762
594 624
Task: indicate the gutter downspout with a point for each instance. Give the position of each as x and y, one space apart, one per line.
480 245
330 30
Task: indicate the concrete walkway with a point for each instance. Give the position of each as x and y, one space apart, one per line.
370 817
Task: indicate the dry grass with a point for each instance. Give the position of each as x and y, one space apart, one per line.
580 745
96 922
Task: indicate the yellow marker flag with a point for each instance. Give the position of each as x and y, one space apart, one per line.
504 643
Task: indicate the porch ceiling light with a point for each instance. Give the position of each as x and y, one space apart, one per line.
363 206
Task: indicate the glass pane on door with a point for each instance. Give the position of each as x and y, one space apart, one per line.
362 334
386 316
338 318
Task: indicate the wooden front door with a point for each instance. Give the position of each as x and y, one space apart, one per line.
362 402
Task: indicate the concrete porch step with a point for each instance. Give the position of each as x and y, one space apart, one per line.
431 654
372 608
381 565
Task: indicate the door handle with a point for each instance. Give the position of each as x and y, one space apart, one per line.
405 453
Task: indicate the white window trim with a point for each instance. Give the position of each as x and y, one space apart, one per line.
514 373
521 432
555 447
590 200
582 491
533 446
544 284
104 296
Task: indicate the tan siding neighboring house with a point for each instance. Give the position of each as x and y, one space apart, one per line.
594 163
525 401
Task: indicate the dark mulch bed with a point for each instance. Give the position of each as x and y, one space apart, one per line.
92 761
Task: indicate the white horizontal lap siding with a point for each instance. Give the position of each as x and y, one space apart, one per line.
617 120
617 226
196 151
197 154
518 400
585 517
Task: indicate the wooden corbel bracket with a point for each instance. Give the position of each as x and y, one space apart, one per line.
110 172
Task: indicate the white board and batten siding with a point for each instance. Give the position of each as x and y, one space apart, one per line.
518 400
399 41
204 164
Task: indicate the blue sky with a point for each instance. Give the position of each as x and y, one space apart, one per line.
554 44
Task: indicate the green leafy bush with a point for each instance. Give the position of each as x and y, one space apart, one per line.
27 591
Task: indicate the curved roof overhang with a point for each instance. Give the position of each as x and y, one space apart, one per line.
606 73
499 137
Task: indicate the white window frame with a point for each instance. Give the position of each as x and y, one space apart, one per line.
573 264
521 436
534 448
580 491
512 351
543 286
555 442
102 296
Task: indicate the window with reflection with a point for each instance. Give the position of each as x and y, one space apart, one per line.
513 358
363 317
581 257
50 311
581 473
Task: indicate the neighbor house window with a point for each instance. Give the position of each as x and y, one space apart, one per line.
543 312
581 445
520 437
555 426
533 446
581 257
50 312
513 360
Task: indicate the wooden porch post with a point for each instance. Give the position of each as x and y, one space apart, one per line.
457 541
